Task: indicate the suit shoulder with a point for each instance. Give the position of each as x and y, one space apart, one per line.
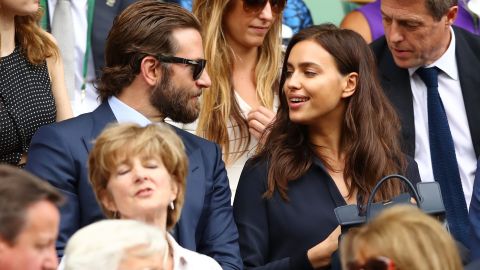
70 126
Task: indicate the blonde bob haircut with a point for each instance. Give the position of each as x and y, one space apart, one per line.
219 105
121 142
412 239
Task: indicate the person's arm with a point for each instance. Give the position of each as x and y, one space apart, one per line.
219 237
49 158
250 212
357 22
59 89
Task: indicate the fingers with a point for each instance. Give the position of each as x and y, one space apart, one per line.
258 120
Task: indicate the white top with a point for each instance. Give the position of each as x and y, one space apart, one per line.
233 169
184 259
79 16
451 94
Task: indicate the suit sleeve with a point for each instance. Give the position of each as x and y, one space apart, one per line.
219 239
49 158
251 215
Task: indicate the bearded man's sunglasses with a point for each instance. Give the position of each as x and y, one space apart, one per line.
197 65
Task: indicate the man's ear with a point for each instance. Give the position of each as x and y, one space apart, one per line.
149 70
452 15
350 84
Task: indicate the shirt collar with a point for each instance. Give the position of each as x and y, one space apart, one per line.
124 113
447 62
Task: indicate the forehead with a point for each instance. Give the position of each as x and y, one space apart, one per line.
405 9
309 51
189 42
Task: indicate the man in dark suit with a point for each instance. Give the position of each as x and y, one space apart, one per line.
153 70
87 32
419 35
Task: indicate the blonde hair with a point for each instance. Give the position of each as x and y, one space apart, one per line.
119 142
33 40
412 239
219 105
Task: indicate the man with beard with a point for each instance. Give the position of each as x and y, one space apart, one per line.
153 70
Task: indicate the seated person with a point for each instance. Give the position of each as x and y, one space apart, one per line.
367 20
140 173
335 135
29 220
117 245
401 237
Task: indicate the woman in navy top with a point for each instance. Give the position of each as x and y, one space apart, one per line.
334 136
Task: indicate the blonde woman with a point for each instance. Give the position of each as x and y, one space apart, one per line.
401 237
32 87
140 173
242 45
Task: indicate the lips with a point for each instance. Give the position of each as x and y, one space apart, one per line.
296 101
144 192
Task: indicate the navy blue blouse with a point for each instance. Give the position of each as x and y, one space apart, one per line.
275 234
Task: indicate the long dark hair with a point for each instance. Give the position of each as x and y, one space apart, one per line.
370 129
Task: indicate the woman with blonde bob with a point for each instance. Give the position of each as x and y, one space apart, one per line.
243 47
140 173
32 87
401 237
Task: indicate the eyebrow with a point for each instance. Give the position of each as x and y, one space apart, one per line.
305 64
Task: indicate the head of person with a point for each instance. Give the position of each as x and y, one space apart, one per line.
231 27
329 82
402 237
139 173
160 45
117 245
29 221
26 14
418 31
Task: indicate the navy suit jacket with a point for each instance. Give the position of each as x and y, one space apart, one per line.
59 153
474 216
396 85
103 16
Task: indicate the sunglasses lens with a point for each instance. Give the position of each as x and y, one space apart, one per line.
257 5
198 69
253 5
277 5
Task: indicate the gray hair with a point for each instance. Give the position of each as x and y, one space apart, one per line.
102 245
438 8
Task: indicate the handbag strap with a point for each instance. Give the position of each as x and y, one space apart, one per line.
386 178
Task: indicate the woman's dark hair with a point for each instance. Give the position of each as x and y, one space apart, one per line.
370 130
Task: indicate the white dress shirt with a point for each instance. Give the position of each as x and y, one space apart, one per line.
80 28
452 98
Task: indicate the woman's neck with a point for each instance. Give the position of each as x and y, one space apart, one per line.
327 139
7 33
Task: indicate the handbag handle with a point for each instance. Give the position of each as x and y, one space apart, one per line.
388 177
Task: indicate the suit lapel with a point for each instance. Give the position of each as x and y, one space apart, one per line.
396 84
467 63
195 192
101 117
